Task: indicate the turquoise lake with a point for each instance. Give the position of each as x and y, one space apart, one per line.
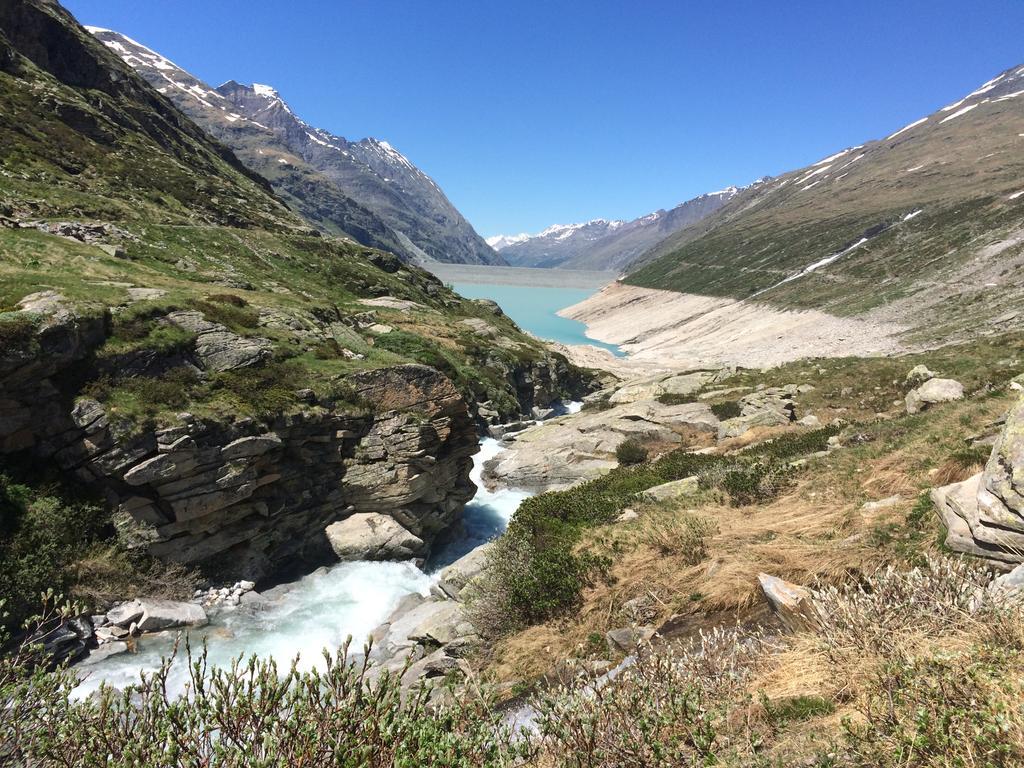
535 310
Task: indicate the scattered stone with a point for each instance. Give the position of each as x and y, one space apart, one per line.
626 639
875 506
104 651
673 490
810 421
166 614
793 604
124 614
918 375
391 302
480 327
219 349
933 391
145 294
459 574
765 407
627 515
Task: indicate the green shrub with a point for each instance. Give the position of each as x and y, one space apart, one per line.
266 390
146 396
17 331
941 710
237 318
749 483
555 520
228 298
671 398
417 348
631 451
796 708
727 410
41 534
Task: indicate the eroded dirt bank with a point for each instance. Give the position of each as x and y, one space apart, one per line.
680 330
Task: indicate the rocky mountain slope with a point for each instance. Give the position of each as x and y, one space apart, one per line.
602 244
223 379
927 222
365 189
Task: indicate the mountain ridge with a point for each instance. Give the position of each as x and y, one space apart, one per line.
601 243
365 189
927 223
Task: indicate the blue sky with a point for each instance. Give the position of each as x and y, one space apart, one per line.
541 112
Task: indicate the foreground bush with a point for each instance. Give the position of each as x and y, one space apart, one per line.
252 714
669 708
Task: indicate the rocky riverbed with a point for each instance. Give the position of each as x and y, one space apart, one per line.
404 607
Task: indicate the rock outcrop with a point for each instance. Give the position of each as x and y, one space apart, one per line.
769 407
562 451
45 339
239 495
984 515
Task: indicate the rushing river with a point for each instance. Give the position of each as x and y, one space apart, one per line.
322 609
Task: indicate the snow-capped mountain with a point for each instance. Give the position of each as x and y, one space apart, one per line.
499 242
603 244
365 188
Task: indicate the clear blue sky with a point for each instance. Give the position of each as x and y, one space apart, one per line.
529 113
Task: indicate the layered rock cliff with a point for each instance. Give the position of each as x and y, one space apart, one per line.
237 495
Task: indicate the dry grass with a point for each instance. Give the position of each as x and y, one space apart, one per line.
815 534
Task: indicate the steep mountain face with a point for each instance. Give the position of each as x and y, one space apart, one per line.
225 380
601 244
926 224
365 189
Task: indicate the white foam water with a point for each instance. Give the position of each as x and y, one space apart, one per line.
322 609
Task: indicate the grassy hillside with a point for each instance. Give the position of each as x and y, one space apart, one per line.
85 139
936 206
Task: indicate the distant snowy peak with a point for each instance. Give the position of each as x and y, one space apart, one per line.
267 91
604 243
499 242
594 226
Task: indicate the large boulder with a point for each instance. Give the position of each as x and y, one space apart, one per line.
372 536
932 392
984 515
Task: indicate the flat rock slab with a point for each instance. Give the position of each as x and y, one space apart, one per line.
372 536
152 615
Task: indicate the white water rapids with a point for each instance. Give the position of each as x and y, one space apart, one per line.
322 609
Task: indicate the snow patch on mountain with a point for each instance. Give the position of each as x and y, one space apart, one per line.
906 128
